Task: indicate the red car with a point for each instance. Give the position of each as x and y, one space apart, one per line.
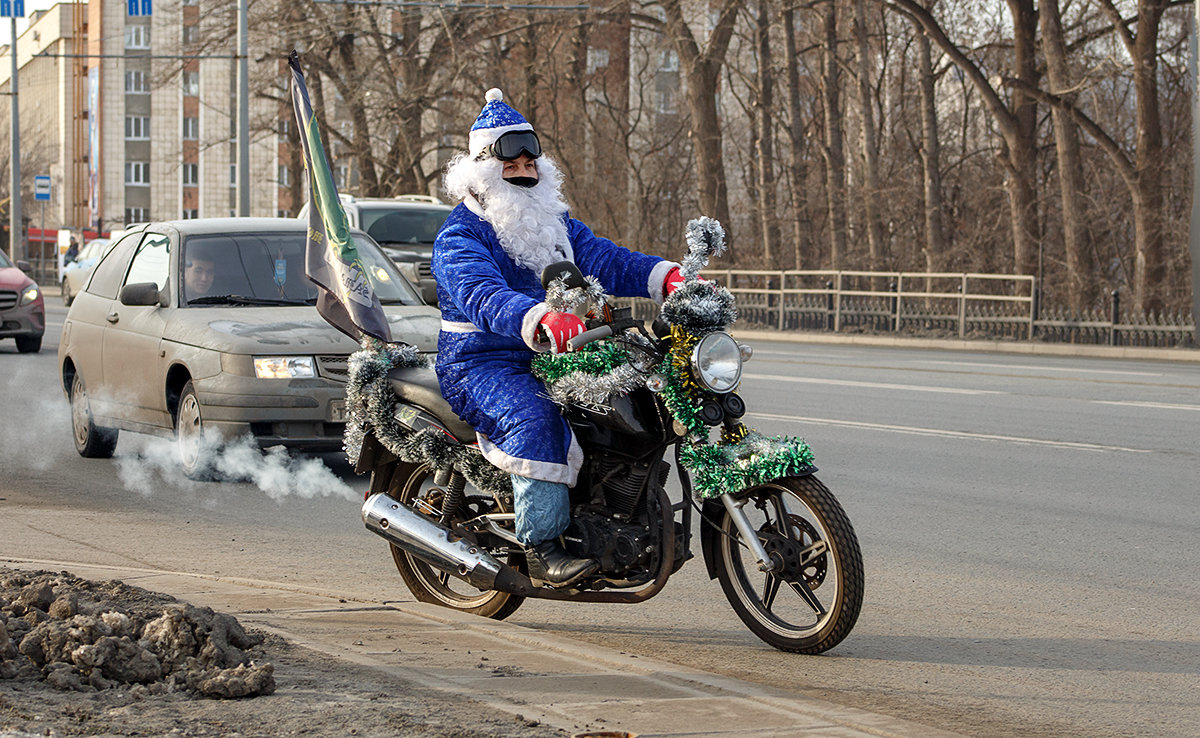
22 311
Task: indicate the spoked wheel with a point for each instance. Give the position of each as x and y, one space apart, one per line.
812 600
413 485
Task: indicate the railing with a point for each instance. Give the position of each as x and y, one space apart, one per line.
939 304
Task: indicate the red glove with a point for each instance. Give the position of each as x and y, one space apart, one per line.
560 328
672 282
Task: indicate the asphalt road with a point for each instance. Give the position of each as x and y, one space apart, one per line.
1028 526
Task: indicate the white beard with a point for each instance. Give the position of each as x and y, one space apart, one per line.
528 220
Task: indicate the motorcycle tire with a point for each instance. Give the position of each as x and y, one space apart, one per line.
821 581
406 483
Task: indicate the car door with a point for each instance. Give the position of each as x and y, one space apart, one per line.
134 365
84 328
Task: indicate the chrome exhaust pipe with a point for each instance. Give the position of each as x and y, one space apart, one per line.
437 546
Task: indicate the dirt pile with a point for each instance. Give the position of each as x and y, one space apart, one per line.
86 636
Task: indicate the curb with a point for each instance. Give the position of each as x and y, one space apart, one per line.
517 670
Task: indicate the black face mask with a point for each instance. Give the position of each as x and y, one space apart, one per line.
522 181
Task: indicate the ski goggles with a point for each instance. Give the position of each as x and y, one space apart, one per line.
514 143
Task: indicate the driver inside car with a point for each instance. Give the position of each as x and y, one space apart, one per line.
199 271
511 222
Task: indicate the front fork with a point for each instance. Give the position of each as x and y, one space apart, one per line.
749 536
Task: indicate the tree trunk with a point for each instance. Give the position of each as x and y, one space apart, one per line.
1081 266
931 157
1150 270
835 156
869 145
798 171
769 223
1022 146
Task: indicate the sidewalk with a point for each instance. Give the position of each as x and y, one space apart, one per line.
517 670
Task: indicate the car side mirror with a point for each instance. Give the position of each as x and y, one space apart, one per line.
141 293
24 265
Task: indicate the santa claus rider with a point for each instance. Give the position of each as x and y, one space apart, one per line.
512 222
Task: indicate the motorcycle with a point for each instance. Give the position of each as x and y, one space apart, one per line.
770 532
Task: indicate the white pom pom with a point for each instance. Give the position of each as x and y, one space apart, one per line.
494 94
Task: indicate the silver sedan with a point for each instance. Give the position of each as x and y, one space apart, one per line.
204 330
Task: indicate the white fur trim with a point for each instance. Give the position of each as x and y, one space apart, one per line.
452 327
474 206
658 280
545 471
478 139
529 326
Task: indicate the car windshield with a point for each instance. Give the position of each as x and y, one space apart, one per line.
268 269
410 225
4 262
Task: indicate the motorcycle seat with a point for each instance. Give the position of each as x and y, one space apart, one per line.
419 386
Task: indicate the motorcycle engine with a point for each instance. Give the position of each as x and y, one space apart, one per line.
620 547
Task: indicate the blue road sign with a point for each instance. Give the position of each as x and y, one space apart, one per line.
12 8
137 7
41 187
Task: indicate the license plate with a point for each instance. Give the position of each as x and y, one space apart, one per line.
337 411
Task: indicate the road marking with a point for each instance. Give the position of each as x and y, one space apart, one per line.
873 385
988 365
1158 405
939 432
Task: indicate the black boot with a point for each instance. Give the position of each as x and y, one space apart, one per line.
549 563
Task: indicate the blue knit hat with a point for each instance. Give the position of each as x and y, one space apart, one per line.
496 119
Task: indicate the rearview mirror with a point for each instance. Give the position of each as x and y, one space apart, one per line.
573 279
24 265
141 293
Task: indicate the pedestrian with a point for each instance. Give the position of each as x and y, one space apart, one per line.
511 222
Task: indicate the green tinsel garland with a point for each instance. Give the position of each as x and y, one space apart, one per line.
596 359
721 468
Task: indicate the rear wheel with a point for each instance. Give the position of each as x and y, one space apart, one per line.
413 485
91 441
811 601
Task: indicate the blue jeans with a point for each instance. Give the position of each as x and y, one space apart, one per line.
543 509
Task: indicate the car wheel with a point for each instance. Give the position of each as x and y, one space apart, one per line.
91 442
29 344
195 452
66 293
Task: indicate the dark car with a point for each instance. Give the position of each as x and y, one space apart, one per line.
207 329
22 309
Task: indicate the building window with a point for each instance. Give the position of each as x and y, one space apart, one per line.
137 37
668 61
136 82
137 172
136 215
285 179
137 128
190 213
285 127
185 2
191 129
191 34
597 59
191 174
191 83
233 175
283 213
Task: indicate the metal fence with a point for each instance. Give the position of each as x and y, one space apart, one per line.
941 304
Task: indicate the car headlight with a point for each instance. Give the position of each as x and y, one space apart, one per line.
29 294
717 362
284 367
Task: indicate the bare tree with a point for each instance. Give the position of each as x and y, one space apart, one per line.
868 144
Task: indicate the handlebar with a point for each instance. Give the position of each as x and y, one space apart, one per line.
595 334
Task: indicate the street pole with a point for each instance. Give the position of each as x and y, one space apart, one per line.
243 84
15 249
1195 235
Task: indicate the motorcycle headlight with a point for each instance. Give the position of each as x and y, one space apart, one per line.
284 367
717 362
29 294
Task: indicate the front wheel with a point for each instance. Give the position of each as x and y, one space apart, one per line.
67 297
91 441
811 601
195 450
413 485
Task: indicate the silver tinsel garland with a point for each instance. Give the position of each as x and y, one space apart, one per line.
371 404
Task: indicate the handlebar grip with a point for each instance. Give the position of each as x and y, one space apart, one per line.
595 334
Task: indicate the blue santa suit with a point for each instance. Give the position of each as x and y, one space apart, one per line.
491 307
